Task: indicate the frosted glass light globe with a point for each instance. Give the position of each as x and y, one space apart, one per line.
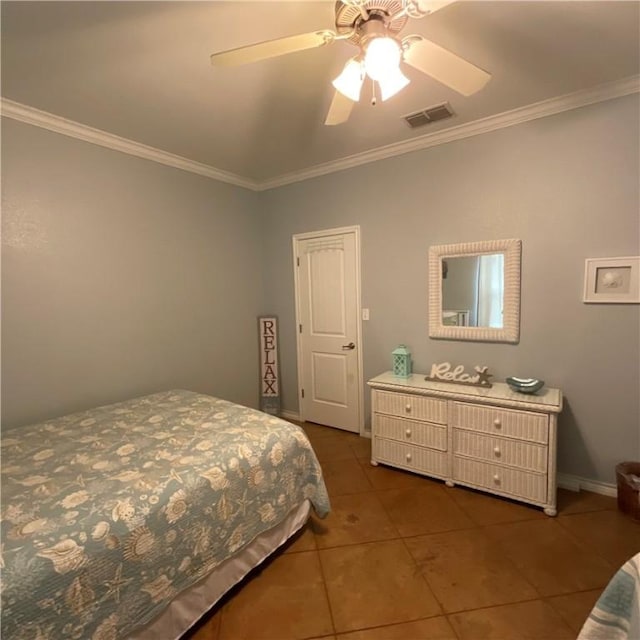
382 57
392 83
349 82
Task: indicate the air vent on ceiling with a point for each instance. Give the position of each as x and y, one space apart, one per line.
430 114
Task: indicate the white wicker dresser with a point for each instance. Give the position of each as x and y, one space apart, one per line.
492 439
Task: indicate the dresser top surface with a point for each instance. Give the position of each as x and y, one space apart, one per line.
547 399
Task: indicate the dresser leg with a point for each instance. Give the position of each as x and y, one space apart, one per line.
374 463
449 483
551 511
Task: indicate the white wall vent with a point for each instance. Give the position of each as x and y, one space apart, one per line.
430 114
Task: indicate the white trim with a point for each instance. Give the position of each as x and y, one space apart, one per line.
30 115
296 289
355 230
552 106
291 415
576 483
533 111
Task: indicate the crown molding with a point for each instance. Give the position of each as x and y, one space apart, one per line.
45 120
552 106
533 111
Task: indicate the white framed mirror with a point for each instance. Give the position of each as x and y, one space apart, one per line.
474 291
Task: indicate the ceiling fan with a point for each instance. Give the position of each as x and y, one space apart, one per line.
372 26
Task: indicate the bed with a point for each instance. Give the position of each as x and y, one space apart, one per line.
616 614
131 520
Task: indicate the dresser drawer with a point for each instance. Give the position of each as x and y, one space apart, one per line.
524 425
410 431
514 453
519 484
412 457
410 406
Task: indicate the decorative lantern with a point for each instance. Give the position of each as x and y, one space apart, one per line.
401 362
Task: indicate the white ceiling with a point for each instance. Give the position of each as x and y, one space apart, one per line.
141 70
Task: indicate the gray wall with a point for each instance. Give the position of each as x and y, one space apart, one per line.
120 277
567 186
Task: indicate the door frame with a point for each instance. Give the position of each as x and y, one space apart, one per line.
296 239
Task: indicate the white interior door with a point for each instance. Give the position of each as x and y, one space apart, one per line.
328 311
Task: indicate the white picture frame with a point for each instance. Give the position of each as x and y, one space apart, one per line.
612 280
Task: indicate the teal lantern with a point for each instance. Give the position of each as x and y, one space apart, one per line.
401 362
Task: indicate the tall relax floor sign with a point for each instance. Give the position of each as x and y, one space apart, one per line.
269 388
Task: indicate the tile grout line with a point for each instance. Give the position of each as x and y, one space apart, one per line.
424 578
476 526
584 545
547 599
326 589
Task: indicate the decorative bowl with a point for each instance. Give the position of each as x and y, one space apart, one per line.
525 385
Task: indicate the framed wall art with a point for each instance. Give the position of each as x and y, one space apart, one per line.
612 280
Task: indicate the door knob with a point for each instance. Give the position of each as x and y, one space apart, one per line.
348 347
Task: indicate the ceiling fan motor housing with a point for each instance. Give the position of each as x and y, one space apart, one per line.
349 18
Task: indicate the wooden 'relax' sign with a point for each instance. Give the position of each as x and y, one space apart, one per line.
269 375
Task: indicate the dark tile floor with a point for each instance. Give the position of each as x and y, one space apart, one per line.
402 557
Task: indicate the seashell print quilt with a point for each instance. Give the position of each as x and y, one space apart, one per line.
107 514
616 614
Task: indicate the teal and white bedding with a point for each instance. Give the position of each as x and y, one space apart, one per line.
616 614
110 513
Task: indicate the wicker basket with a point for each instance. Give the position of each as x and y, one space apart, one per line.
628 490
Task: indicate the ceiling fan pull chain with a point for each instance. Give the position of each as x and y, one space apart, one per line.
374 99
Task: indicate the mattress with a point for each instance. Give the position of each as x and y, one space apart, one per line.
109 514
188 607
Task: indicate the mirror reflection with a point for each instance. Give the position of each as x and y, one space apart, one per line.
473 291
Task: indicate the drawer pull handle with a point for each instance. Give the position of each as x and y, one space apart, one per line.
497 423
408 408
408 433
408 457
496 450
496 478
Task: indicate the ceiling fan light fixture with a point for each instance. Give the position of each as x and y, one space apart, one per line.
392 83
349 82
374 27
382 57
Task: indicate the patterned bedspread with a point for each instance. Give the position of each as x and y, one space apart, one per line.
616 614
108 514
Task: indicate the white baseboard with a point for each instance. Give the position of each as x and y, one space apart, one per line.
290 415
576 483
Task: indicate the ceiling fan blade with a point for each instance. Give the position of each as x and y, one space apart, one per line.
340 109
420 8
430 6
444 66
271 48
